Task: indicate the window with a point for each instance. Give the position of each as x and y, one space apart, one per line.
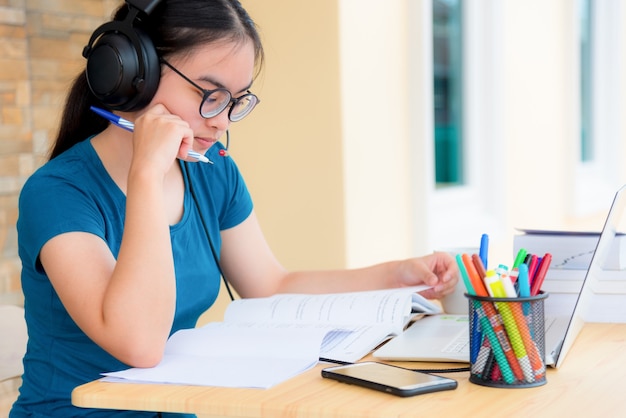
467 89
586 139
600 126
448 88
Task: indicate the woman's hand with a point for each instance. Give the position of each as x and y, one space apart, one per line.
160 137
438 270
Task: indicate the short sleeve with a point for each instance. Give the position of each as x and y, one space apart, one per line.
51 206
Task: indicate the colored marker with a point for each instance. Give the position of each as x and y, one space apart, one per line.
523 281
503 275
466 280
479 364
524 287
484 249
476 280
512 330
533 353
536 363
496 373
508 287
129 126
533 262
490 277
499 351
519 259
542 270
479 266
476 335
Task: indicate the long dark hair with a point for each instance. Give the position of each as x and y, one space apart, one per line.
174 26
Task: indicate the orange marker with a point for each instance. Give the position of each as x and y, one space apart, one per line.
479 286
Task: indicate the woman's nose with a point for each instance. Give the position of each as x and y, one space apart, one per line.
221 122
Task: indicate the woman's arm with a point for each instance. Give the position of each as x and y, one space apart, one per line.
127 305
250 266
129 315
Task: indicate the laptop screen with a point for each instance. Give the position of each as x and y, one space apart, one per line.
597 276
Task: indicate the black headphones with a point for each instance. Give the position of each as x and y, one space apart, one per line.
123 69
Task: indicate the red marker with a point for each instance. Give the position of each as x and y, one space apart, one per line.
478 264
532 266
542 270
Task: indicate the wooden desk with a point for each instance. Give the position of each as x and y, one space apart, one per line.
589 383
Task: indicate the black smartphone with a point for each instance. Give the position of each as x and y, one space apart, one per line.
387 378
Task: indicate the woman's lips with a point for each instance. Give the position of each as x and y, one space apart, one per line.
205 142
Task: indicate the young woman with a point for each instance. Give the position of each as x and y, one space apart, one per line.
120 231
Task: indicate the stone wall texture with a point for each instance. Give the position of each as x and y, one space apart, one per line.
40 53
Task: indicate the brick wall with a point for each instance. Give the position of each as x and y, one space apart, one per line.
40 53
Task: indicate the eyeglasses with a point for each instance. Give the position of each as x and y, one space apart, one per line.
215 101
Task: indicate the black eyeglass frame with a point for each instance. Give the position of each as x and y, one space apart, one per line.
206 93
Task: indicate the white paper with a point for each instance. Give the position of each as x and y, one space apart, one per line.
220 354
340 308
288 336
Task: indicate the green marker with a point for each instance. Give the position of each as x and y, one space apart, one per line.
521 255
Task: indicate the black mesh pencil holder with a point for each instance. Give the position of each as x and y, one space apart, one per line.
507 341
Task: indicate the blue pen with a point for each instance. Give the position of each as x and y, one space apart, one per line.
484 249
129 126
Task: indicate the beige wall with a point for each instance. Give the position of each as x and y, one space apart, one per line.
377 84
290 148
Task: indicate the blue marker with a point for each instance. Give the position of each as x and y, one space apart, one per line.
129 126
484 249
524 286
524 282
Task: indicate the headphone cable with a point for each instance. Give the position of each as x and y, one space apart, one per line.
206 230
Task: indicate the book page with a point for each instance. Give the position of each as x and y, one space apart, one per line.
391 308
231 355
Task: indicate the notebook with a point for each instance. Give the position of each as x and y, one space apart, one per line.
446 337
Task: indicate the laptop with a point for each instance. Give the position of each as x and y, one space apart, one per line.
445 337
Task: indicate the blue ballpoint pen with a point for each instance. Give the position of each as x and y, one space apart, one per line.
129 126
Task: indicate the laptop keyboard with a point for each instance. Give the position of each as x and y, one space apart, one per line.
458 344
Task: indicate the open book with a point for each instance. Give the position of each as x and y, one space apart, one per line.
360 320
267 340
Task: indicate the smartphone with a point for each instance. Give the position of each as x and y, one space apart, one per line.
387 378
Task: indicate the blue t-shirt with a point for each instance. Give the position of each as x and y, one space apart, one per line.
74 192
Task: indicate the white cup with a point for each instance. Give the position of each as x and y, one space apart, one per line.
456 303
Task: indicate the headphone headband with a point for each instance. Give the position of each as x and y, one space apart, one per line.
145 6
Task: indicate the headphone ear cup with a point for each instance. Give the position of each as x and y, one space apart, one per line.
123 70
